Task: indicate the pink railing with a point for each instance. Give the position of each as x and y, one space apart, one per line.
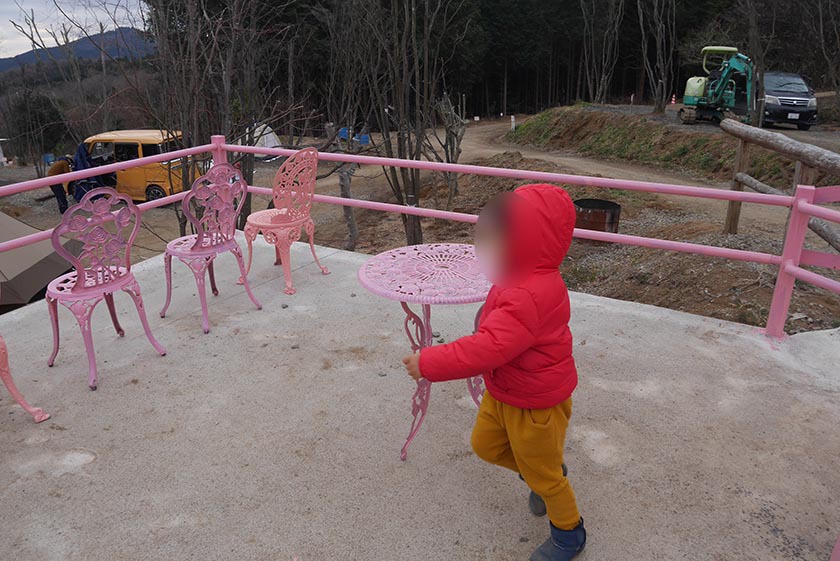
803 205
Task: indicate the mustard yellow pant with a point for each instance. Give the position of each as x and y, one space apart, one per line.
530 442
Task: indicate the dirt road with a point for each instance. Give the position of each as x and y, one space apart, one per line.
487 140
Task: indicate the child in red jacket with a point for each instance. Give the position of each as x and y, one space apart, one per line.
523 347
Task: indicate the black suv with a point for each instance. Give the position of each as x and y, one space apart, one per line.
788 99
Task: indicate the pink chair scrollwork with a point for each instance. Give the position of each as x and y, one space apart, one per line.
106 223
37 413
281 226
211 206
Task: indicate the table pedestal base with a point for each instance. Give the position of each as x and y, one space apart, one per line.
419 332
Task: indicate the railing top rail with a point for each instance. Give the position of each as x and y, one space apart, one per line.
46 234
640 241
819 211
813 156
582 180
827 195
101 170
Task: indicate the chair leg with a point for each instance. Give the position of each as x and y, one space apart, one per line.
109 300
250 236
83 310
283 248
212 274
167 263
310 231
238 254
199 269
52 306
37 413
133 290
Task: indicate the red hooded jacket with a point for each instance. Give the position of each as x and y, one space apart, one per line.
523 345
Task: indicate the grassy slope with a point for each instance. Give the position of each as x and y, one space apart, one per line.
644 140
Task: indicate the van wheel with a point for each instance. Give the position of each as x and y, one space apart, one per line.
154 192
803 127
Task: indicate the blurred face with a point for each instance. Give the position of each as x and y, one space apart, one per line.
490 245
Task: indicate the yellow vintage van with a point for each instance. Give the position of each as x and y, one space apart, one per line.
143 183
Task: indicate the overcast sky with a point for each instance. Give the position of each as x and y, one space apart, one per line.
46 14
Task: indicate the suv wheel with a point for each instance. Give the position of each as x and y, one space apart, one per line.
154 192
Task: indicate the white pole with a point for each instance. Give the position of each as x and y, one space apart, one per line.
513 122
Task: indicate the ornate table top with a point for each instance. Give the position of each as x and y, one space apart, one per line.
426 274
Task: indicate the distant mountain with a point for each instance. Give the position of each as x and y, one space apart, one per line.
123 42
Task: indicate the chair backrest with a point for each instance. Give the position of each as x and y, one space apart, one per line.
213 204
106 223
294 184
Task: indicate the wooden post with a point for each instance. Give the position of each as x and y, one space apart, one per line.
742 162
803 175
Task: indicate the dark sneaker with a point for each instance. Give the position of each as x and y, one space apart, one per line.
536 504
562 545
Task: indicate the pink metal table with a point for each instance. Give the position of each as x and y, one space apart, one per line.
426 275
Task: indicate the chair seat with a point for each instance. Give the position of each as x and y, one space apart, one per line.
62 287
183 247
273 218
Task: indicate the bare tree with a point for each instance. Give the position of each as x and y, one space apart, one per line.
214 74
658 25
601 24
823 17
402 51
53 47
446 147
760 16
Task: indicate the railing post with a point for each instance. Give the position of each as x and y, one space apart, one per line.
791 254
219 153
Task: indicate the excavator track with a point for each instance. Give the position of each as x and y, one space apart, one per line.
688 115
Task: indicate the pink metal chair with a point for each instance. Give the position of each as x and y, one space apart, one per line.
37 413
211 206
100 221
281 226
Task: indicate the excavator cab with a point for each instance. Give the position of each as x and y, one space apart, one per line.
727 87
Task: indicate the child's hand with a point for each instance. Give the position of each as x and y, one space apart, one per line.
412 365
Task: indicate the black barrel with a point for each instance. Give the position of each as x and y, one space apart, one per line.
598 214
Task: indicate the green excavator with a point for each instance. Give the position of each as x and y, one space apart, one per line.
727 89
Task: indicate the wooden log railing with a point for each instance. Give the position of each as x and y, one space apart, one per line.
809 160
819 226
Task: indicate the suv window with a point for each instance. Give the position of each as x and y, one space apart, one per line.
124 152
788 84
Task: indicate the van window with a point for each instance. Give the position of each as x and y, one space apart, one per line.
124 152
102 152
155 149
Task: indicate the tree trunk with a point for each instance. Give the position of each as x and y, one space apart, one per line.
505 91
247 169
345 176
291 93
413 229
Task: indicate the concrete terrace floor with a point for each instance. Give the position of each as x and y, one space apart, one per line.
277 436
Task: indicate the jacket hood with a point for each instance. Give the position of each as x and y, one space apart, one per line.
541 222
